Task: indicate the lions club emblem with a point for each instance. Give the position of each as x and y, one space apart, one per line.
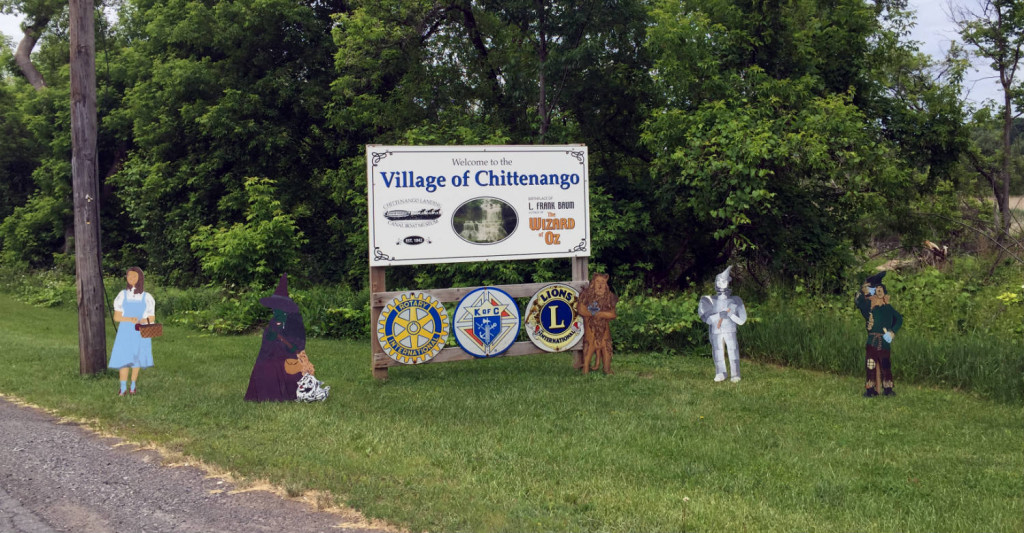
486 322
413 328
551 320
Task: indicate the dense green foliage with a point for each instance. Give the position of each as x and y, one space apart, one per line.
256 252
782 134
526 444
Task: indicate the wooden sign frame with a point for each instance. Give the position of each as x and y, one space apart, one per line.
379 298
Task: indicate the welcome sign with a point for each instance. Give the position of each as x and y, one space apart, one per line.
449 204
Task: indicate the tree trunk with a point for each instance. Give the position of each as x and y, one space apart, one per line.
994 29
92 342
542 56
23 55
1003 196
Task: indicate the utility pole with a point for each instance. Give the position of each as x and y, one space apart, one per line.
92 342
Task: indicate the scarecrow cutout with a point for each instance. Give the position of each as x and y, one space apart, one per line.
722 313
282 372
882 322
597 307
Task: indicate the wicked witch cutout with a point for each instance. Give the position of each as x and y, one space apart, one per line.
723 312
882 322
282 372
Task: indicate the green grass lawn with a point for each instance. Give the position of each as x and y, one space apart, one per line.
526 444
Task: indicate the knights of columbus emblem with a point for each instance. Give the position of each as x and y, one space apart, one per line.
486 322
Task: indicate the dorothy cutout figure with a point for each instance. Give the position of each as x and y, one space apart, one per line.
132 306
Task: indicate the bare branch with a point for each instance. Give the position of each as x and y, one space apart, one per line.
23 55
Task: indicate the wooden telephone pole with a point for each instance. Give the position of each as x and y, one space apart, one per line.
92 342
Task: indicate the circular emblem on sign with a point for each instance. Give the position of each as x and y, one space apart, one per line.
486 322
551 320
413 328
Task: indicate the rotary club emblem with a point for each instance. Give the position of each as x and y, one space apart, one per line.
413 328
486 322
551 320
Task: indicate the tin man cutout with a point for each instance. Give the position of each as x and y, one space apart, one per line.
722 313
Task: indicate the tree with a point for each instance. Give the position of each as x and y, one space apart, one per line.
38 228
19 155
995 30
711 125
786 128
460 72
221 92
38 14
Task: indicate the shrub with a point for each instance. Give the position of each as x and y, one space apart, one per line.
257 251
664 323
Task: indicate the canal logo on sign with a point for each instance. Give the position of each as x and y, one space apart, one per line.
486 322
412 213
551 320
413 328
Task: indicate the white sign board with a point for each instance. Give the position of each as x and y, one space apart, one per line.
450 204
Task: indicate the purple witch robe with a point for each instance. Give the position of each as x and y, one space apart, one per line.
269 382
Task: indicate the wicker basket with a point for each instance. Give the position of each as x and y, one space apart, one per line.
148 331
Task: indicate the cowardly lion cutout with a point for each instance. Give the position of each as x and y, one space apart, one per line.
597 307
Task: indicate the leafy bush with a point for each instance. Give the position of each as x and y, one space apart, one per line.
49 288
255 252
335 311
328 311
32 231
665 323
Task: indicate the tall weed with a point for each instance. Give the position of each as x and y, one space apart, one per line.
802 333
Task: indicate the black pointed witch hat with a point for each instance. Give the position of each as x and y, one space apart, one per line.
280 299
876 279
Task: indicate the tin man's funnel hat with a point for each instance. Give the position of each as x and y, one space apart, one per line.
724 276
280 299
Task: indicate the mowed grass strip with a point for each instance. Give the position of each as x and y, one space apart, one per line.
527 444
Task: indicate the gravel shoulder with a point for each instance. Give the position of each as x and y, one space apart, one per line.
58 476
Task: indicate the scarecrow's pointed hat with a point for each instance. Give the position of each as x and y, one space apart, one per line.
280 299
876 279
